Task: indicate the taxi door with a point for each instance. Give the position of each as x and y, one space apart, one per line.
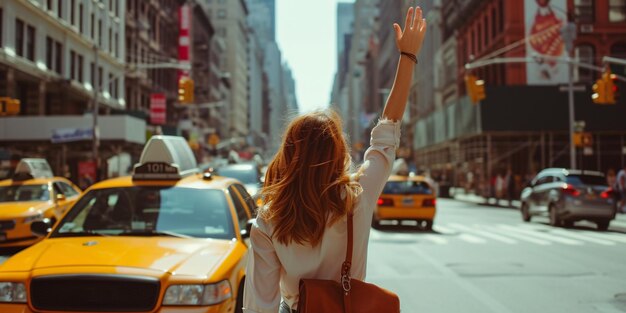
64 197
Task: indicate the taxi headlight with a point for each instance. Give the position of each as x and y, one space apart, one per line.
33 218
12 292
197 294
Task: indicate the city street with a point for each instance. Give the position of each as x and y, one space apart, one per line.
485 259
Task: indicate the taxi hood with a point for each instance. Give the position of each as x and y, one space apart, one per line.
193 257
10 210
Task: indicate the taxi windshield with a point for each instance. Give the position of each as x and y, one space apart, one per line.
407 188
17 193
149 211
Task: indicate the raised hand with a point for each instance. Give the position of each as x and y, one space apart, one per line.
410 38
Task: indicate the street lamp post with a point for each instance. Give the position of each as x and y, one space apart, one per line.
569 34
96 135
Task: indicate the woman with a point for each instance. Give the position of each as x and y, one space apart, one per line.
301 231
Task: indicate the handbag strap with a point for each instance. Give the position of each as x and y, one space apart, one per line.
345 269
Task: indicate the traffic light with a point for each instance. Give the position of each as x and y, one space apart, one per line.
475 88
185 90
9 106
612 91
605 89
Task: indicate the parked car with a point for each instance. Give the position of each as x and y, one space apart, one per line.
407 198
567 196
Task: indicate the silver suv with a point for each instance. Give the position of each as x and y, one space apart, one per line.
567 196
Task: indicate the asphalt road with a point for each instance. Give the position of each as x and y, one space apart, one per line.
485 259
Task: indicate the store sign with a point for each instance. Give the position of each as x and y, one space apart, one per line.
158 109
62 135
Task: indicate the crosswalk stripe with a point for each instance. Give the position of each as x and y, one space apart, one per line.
483 233
437 239
542 236
472 239
607 236
618 223
522 237
570 233
444 230
578 236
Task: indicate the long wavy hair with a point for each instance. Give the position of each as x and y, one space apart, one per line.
308 184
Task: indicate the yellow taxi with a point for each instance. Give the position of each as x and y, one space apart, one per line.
407 198
166 239
31 195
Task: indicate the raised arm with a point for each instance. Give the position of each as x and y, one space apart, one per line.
408 41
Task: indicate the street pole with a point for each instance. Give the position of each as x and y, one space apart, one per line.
96 83
569 34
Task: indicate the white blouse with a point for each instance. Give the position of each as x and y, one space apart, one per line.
274 269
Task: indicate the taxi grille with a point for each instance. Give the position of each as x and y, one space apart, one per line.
7 225
94 293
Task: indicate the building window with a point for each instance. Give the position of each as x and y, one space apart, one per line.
486 31
60 8
80 68
100 33
494 24
92 74
617 11
117 7
479 38
116 45
585 54
100 78
73 12
59 57
49 5
1 26
30 43
584 11
80 18
501 15
19 37
111 41
93 26
49 52
221 13
72 64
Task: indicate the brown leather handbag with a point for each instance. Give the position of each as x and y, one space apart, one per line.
349 296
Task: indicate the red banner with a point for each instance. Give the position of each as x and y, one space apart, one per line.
184 38
158 109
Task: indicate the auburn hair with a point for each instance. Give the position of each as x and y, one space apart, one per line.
307 183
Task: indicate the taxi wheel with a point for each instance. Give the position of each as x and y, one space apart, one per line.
239 303
428 225
603 225
375 223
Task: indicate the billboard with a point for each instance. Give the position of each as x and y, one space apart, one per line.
158 109
544 20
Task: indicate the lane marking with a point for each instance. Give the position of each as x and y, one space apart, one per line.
483 233
525 238
444 230
575 235
566 241
436 239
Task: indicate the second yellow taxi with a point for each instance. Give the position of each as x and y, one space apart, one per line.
407 198
167 239
31 195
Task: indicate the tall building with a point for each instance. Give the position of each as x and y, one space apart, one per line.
49 63
523 123
345 21
230 20
152 38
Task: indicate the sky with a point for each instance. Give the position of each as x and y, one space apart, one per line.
306 34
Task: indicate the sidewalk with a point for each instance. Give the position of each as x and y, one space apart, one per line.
459 194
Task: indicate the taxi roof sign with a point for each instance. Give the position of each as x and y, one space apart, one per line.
166 158
30 168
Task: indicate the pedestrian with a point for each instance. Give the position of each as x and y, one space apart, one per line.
621 189
500 187
309 194
510 186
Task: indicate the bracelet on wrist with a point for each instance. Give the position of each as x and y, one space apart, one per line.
410 56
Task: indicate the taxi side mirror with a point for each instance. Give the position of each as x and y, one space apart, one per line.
245 234
61 197
41 228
